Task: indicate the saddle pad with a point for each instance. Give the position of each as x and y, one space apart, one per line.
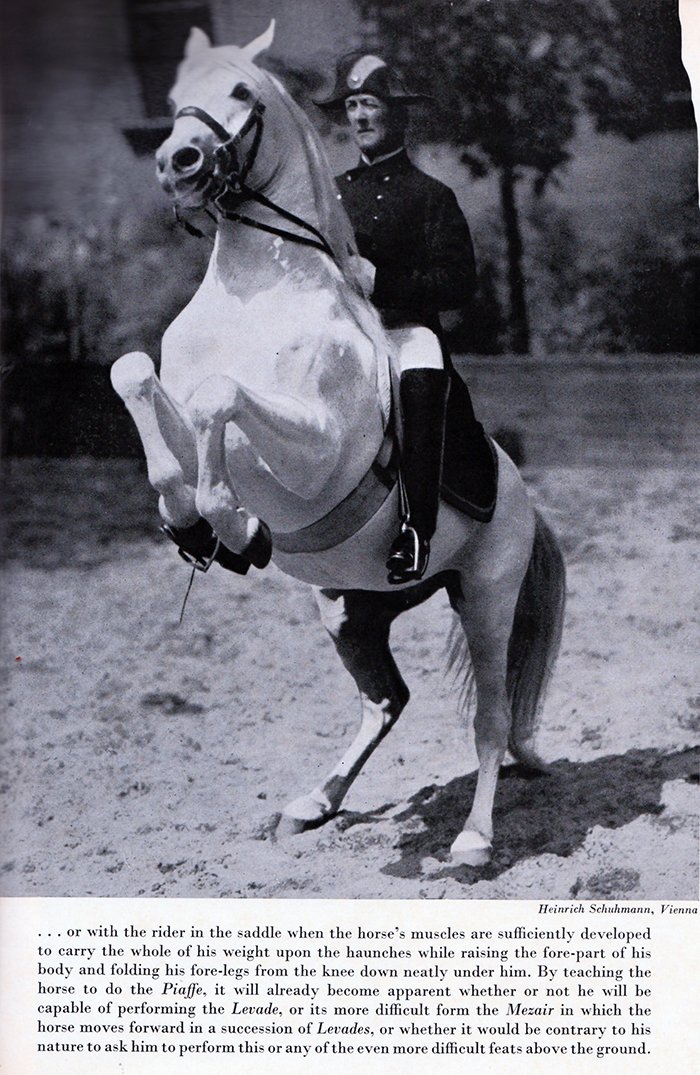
470 465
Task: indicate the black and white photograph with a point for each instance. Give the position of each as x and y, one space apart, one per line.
349 428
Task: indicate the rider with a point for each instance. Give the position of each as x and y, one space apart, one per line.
412 231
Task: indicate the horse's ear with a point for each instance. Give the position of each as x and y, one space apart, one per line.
196 42
254 48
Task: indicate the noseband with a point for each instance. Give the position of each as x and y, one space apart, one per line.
232 174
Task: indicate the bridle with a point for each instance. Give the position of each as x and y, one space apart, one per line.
231 174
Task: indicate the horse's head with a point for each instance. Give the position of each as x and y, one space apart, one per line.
218 105
238 135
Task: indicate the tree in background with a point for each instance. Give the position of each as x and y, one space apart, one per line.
510 79
649 54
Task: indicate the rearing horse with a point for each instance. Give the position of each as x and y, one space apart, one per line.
274 403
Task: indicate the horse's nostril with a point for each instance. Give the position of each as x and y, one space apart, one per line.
184 160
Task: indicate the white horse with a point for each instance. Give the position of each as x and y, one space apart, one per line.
274 403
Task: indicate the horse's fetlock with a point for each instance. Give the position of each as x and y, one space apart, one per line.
166 477
214 503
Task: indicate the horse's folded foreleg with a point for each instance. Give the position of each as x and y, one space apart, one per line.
211 407
166 434
297 439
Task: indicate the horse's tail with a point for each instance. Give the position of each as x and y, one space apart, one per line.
534 641
533 647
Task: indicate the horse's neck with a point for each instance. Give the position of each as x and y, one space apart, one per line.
285 280
251 259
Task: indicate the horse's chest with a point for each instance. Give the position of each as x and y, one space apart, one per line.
265 345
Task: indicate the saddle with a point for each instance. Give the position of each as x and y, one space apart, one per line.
470 464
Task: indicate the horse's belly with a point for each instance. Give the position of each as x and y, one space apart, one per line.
360 562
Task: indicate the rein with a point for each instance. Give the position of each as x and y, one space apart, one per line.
233 184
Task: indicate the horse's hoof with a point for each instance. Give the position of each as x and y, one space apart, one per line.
526 753
291 826
470 849
304 813
259 549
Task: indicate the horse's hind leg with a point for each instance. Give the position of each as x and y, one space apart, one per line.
486 611
359 623
166 434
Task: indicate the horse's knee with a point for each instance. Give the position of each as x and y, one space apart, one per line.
132 374
213 402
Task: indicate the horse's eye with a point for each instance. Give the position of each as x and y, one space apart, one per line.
241 92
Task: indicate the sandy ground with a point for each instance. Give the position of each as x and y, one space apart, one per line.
145 758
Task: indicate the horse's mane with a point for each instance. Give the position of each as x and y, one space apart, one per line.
333 221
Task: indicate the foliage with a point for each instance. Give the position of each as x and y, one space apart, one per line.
641 293
658 96
90 291
508 77
510 80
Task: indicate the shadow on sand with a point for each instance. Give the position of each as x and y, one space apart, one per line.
535 813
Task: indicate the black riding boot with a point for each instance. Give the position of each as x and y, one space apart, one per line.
423 396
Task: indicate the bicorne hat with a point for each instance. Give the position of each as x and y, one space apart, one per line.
364 73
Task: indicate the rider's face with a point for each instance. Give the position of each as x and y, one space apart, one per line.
373 124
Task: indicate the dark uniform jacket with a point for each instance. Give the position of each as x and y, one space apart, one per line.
412 229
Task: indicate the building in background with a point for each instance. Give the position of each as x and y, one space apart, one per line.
85 83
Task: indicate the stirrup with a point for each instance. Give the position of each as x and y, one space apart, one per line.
200 562
409 556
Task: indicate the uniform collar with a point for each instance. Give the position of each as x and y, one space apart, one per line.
380 160
398 161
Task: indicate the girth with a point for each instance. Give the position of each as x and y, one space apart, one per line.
352 513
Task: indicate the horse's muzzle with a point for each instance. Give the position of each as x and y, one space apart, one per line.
186 173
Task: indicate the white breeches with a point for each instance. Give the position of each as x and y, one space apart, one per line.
416 347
